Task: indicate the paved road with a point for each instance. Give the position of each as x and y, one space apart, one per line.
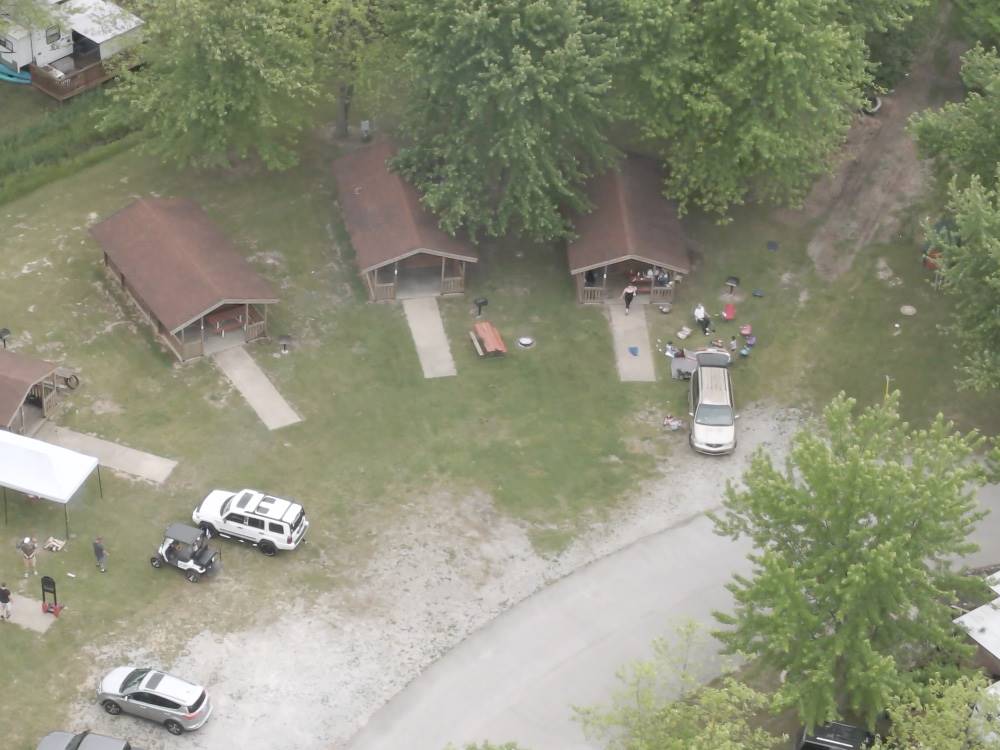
517 677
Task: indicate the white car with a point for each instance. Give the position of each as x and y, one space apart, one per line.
269 523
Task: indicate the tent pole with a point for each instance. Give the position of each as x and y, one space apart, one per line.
100 484
66 518
4 506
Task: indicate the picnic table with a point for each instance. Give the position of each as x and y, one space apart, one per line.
487 340
224 320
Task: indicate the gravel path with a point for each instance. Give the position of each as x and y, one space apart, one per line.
319 673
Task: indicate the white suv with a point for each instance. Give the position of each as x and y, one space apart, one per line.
269 523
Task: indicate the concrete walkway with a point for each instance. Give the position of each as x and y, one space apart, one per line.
27 612
630 332
114 456
258 391
517 678
427 329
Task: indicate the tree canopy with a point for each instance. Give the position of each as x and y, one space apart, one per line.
849 595
944 715
740 97
970 272
661 704
508 119
225 81
963 138
982 20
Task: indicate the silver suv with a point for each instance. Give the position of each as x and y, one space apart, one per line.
713 419
175 703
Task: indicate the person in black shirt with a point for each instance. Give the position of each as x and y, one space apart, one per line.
4 602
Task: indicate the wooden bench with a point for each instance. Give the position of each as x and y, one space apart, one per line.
487 340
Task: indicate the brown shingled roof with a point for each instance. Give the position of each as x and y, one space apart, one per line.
17 374
177 261
384 215
631 220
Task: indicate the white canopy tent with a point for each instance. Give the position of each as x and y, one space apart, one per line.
43 470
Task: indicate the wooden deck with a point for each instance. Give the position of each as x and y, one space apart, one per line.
62 86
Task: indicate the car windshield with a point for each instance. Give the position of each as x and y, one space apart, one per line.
298 520
714 415
133 679
225 505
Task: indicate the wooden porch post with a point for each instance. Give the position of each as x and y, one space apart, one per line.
442 272
265 320
395 279
246 318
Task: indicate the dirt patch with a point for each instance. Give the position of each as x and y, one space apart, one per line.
106 406
445 567
878 173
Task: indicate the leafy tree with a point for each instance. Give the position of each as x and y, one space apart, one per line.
662 705
225 80
891 51
740 96
943 716
982 19
970 270
963 138
851 582
508 117
26 13
877 16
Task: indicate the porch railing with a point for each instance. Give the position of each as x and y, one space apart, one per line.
591 294
385 292
64 86
256 330
661 294
452 285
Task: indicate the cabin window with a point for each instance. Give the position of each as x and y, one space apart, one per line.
6 44
52 34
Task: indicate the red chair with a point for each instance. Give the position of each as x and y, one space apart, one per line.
729 311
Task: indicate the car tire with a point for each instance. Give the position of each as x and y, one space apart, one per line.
173 727
208 529
156 562
112 708
268 549
192 576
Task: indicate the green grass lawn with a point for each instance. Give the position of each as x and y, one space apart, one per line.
21 105
549 433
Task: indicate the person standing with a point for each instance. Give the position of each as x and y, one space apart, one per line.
733 345
628 294
29 551
100 554
4 602
702 318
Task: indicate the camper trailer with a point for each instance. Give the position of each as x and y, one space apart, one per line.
67 55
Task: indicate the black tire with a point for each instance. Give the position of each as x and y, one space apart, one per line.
268 549
156 562
72 382
173 727
112 708
192 576
209 529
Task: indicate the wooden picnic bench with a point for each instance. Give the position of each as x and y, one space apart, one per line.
224 320
487 340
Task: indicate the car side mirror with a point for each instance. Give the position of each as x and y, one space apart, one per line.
737 416
690 413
